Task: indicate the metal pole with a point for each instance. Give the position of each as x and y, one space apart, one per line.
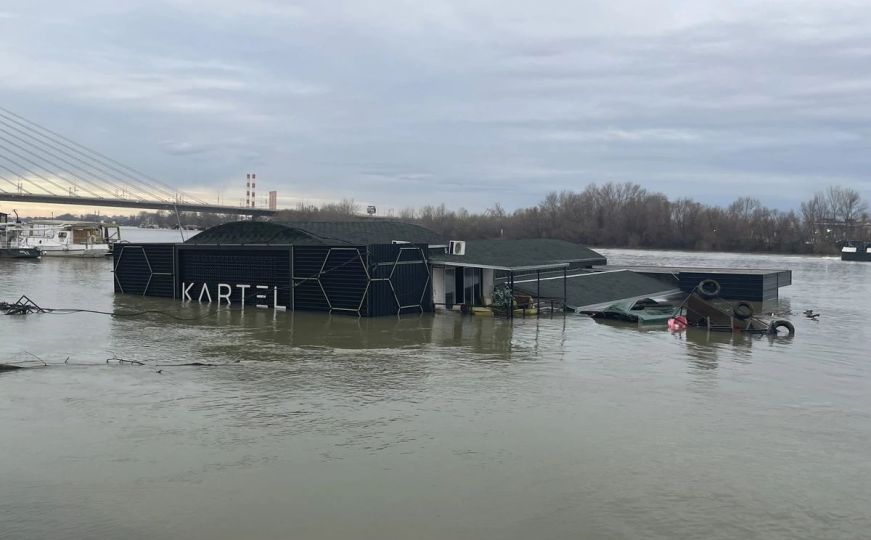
511 297
178 220
565 290
292 283
537 293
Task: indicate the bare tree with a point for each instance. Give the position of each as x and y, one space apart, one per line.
614 214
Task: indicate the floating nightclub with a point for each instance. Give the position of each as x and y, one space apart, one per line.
363 268
376 267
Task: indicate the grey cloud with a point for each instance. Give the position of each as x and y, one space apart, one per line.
399 104
184 148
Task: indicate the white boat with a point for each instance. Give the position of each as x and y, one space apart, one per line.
12 244
72 238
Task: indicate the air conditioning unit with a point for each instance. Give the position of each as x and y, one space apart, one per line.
457 247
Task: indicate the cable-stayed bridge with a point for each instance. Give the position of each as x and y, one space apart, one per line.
38 165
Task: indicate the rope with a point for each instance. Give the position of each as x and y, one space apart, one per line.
25 306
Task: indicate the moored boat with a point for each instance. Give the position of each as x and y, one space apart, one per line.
12 244
72 238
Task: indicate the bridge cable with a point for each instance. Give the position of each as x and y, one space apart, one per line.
110 184
35 151
28 160
58 147
25 181
107 161
18 187
59 139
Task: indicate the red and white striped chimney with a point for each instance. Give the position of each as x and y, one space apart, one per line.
247 190
253 196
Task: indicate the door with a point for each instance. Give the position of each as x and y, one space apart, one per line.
459 286
469 286
450 283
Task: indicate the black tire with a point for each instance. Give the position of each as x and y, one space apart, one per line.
742 311
708 288
780 323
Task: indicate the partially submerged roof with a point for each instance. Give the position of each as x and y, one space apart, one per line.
355 233
519 255
591 290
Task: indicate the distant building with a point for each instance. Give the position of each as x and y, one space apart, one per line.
273 200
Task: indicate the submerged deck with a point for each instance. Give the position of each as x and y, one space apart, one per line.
582 290
588 289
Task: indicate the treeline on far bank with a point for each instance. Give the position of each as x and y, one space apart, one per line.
610 215
627 215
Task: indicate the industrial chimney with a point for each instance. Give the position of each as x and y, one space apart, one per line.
253 188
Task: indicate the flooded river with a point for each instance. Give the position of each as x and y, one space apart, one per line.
431 427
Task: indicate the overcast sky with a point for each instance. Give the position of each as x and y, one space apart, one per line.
468 102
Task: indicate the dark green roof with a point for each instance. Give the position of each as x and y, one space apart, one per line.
587 289
368 231
519 254
252 232
355 233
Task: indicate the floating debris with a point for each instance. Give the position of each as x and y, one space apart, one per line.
22 306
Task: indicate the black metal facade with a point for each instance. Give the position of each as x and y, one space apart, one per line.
147 270
265 271
861 252
375 280
753 285
400 279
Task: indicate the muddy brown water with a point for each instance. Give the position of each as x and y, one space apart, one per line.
311 426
